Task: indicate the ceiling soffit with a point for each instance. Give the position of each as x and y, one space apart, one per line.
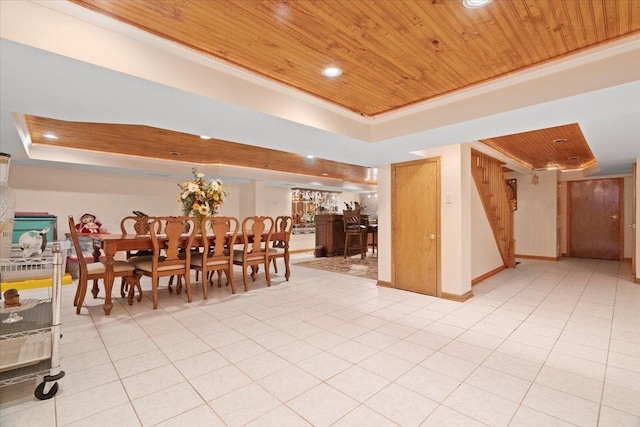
155 143
562 147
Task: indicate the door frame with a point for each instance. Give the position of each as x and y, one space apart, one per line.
620 210
634 218
438 206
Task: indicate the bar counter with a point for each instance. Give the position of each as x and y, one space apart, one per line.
330 234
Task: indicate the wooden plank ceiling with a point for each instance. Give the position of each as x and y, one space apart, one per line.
393 53
150 142
563 148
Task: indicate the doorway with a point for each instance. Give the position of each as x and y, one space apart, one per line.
415 226
595 218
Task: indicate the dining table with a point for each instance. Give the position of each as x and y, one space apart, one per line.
110 244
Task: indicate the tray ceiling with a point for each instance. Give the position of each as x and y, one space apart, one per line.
497 74
393 53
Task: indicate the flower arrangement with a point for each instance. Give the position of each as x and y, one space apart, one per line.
201 197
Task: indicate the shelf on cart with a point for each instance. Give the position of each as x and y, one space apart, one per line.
33 319
26 372
27 342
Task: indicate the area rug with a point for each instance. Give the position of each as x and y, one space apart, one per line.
353 266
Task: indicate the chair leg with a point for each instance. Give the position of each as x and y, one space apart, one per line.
374 241
275 266
82 290
266 273
133 283
139 286
123 287
220 278
244 278
346 245
179 285
95 290
76 297
363 247
187 285
205 277
287 270
229 272
154 291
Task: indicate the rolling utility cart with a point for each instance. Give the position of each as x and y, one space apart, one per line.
30 333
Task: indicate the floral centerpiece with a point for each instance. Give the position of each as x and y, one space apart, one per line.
201 197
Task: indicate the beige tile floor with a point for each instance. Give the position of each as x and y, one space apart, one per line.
544 344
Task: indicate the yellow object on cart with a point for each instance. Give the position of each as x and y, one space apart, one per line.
33 283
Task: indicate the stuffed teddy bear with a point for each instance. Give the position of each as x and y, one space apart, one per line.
89 224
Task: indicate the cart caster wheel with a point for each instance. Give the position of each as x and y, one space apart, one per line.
40 394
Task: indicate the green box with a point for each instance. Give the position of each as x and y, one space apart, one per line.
24 224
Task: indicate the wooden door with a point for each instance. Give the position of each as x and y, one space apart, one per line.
415 226
595 221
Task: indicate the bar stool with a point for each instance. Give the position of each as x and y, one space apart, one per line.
353 226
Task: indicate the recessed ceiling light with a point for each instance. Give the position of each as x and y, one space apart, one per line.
309 156
474 4
325 174
50 136
560 140
205 137
573 158
174 153
266 165
331 72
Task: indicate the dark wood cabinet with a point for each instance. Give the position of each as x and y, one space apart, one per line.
330 235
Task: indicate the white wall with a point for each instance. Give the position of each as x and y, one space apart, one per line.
636 222
563 217
536 217
384 223
370 202
484 256
628 220
347 197
112 196
276 201
109 196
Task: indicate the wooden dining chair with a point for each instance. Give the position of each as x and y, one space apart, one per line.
255 238
280 246
96 270
138 226
219 234
353 227
168 236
